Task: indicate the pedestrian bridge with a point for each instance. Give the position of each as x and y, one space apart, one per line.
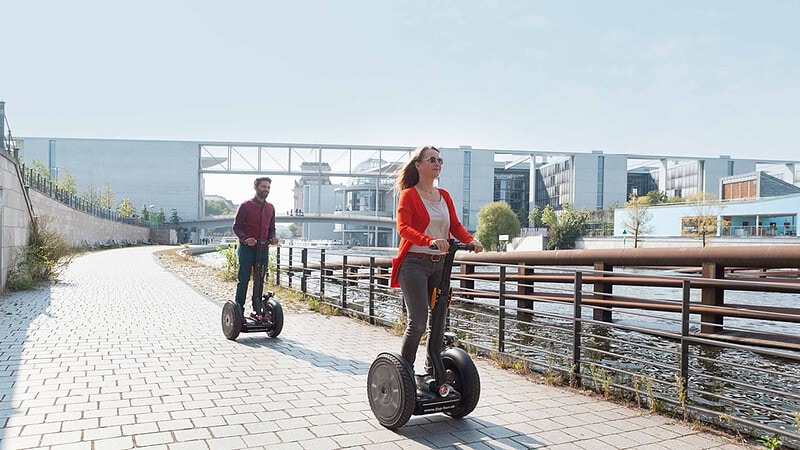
339 217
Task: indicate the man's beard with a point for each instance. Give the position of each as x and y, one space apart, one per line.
262 195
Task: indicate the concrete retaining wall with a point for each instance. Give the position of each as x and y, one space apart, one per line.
78 226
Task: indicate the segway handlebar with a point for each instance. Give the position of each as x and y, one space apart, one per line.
458 246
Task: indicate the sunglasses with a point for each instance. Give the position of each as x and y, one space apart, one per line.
434 160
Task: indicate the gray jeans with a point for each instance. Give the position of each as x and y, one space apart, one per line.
418 278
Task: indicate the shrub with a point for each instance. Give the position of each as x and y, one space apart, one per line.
231 256
42 260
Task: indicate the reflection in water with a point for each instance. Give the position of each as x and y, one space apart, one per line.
729 381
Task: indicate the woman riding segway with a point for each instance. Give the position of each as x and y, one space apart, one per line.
426 218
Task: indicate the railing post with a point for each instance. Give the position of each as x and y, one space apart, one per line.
602 290
322 274
344 281
467 283
304 273
576 329
278 266
710 322
372 290
501 323
290 273
524 287
684 369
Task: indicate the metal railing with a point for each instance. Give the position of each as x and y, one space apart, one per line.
656 353
46 186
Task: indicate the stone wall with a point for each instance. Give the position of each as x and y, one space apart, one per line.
15 217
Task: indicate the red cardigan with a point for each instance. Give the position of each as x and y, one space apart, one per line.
413 219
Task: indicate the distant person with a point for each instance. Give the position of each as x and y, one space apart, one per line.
425 216
254 223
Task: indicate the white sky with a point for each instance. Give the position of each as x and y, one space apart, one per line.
661 77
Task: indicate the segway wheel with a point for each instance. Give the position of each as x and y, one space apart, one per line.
391 390
275 310
231 320
462 375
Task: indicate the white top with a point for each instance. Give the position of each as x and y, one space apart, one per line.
439 226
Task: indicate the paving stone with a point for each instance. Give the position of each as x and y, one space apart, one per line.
73 374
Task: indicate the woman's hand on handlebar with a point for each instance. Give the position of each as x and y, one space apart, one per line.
478 247
443 245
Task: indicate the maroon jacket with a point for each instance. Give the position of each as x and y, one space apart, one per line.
254 219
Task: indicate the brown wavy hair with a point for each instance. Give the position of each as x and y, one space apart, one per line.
408 175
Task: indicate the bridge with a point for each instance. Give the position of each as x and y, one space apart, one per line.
338 217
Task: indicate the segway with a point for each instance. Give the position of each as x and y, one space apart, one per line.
233 319
452 386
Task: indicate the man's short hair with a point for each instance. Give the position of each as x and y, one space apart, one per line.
260 179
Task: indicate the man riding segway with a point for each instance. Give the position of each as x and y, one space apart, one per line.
254 225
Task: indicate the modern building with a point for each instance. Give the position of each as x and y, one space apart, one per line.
159 173
750 204
770 216
754 185
357 180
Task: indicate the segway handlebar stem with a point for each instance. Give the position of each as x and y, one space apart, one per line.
439 312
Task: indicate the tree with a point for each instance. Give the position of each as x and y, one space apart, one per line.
125 208
107 196
522 216
655 197
67 182
175 219
638 218
494 219
605 219
41 168
92 195
565 227
217 207
706 209
535 217
549 215
145 214
160 218
294 229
